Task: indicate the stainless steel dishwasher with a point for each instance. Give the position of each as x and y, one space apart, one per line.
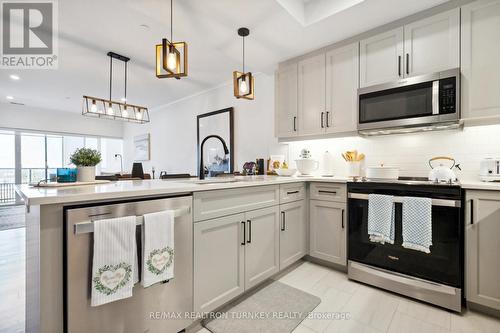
149 309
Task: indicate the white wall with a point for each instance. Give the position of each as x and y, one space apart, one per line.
411 152
37 119
173 128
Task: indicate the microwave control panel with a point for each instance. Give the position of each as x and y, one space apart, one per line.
447 95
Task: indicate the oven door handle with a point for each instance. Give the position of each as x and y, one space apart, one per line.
397 199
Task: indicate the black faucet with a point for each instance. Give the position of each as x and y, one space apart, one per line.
226 151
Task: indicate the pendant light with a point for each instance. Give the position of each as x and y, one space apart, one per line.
243 83
109 109
171 57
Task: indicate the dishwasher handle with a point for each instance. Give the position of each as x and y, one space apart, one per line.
88 227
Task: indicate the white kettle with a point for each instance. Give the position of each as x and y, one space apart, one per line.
442 173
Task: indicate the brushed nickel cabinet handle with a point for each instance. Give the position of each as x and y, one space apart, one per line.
327 118
343 219
322 116
292 192
295 124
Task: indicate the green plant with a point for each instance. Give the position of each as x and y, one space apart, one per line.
85 157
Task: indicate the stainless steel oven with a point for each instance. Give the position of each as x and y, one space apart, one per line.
436 277
416 101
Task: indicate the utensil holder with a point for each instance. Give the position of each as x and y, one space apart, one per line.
354 169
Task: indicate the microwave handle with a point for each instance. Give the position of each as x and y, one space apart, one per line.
435 97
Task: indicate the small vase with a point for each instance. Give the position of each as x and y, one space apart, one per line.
86 174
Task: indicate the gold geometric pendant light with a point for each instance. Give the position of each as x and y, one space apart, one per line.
171 57
243 83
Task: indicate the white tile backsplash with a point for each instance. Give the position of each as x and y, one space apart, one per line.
410 152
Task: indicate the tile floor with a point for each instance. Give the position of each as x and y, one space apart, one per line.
373 310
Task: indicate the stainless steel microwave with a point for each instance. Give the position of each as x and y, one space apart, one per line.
420 101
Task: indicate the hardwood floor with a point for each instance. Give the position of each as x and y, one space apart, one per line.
12 280
12 269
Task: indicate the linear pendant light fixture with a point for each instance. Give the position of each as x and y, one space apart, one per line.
243 83
171 57
109 109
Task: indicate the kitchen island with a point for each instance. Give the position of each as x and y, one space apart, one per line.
45 229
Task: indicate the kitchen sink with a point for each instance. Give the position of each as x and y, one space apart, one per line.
216 181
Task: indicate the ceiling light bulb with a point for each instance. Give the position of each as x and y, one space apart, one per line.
172 61
14 77
138 115
110 110
9 98
93 108
125 112
243 86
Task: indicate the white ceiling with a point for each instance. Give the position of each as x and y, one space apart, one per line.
89 29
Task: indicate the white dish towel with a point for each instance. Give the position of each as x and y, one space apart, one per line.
417 223
113 262
381 218
158 247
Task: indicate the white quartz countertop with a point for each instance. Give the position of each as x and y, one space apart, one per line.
146 188
480 185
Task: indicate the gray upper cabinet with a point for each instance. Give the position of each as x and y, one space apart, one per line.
421 47
328 231
219 267
432 44
381 58
293 232
342 81
311 95
482 248
480 59
262 245
286 121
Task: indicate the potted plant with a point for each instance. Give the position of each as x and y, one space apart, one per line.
85 160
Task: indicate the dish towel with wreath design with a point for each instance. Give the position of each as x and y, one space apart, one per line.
417 224
113 261
381 211
158 247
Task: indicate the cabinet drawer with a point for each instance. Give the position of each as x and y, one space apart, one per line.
328 192
212 204
292 192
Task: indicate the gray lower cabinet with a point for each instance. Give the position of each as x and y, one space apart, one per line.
293 232
232 254
328 231
262 245
219 261
482 234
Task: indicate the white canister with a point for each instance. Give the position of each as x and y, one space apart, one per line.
354 169
86 174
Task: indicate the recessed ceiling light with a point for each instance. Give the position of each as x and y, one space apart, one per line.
9 98
144 26
14 77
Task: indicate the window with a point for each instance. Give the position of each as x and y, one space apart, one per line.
33 158
41 154
7 157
